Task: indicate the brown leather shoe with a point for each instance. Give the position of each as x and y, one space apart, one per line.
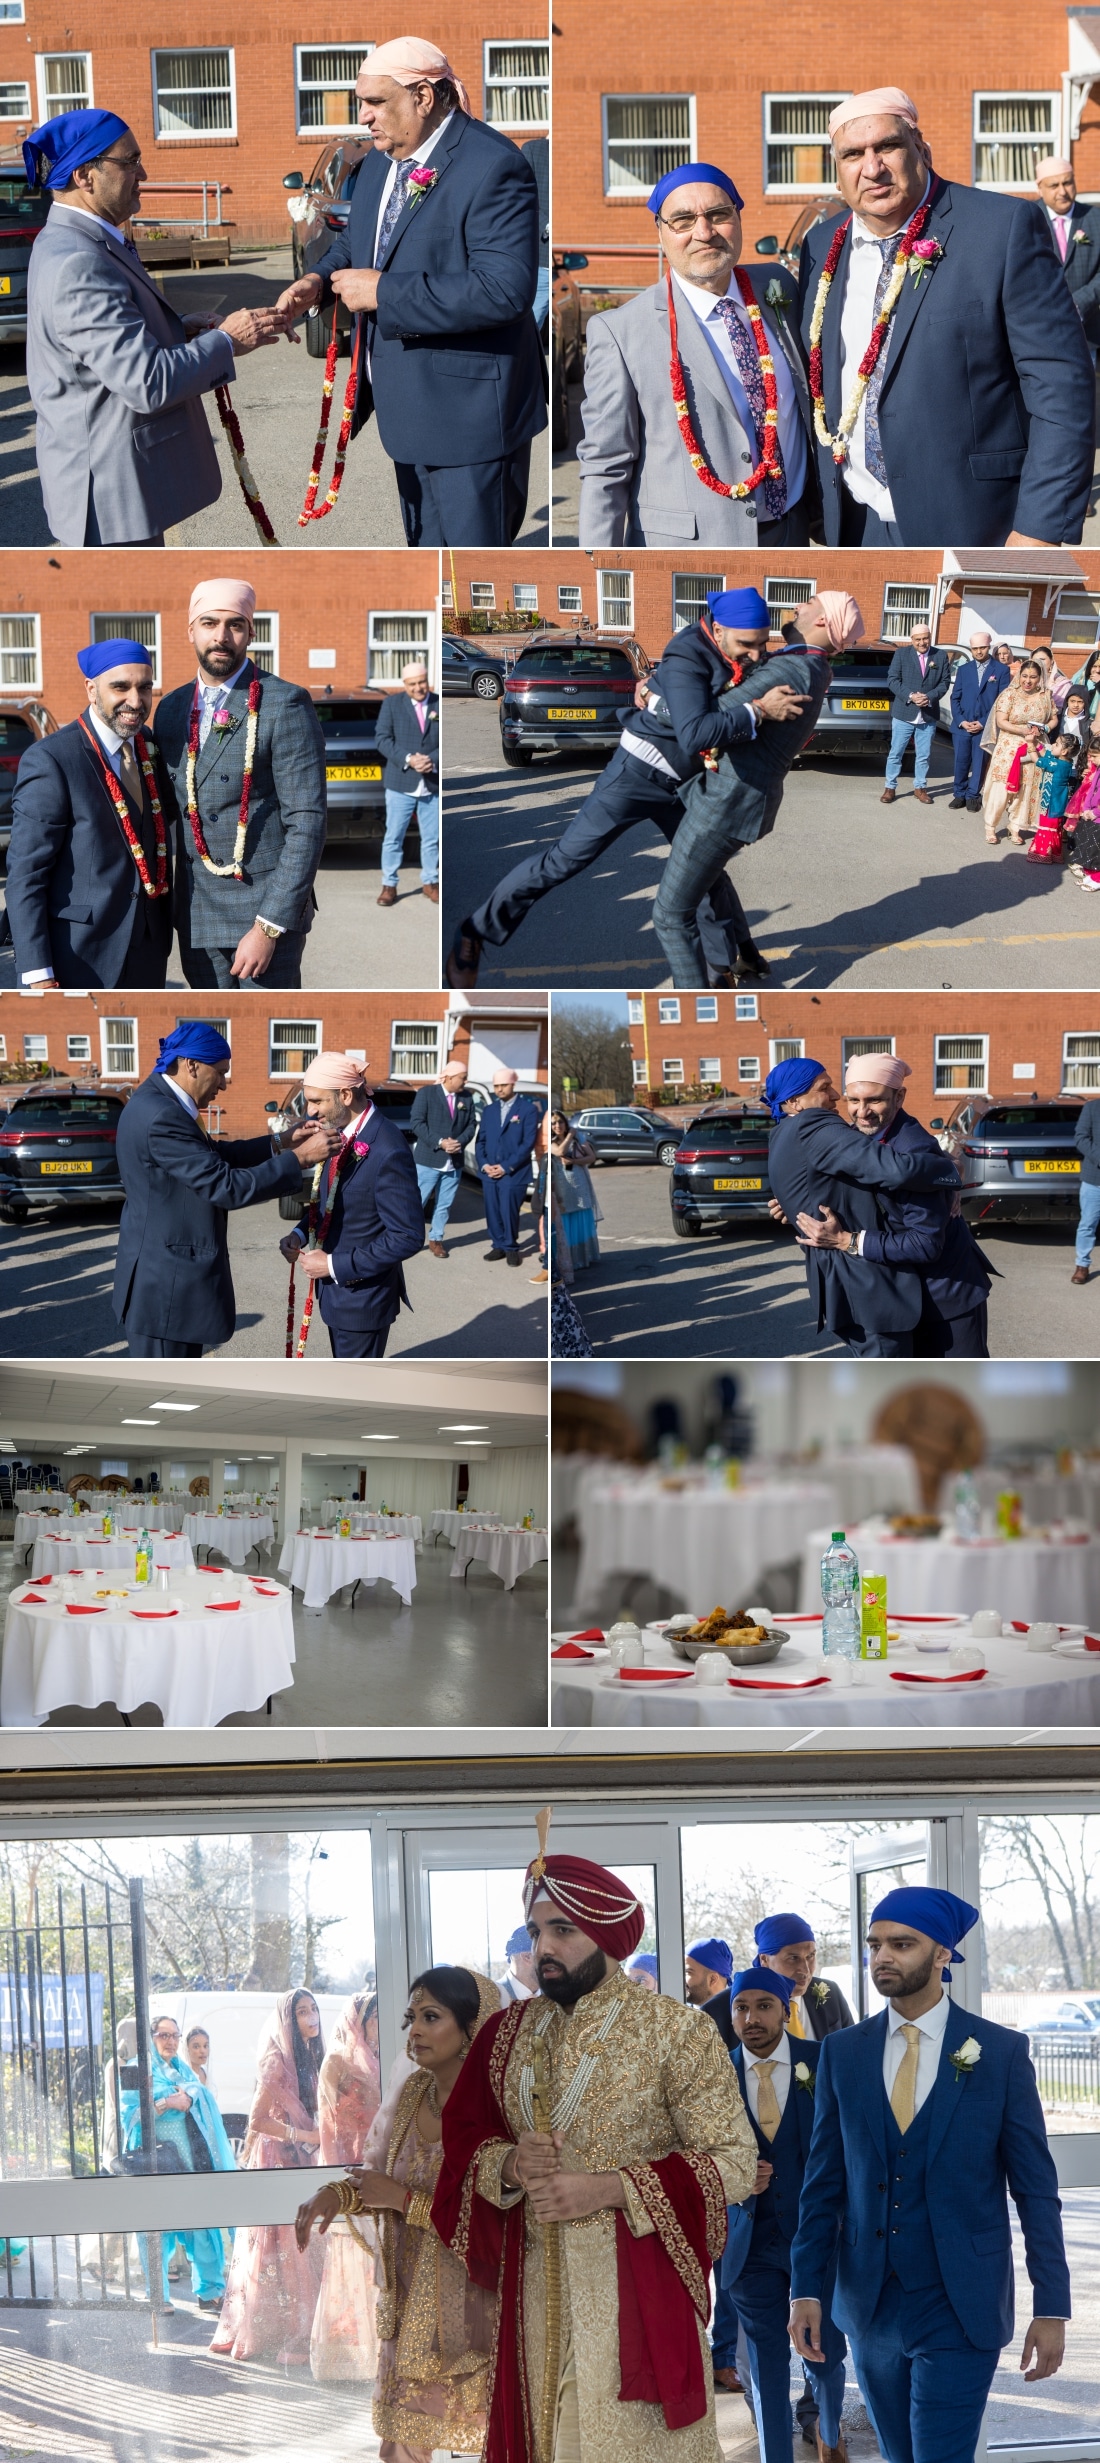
463 958
437 1248
888 796
920 796
727 2382
830 2454
430 889
387 897
1080 1274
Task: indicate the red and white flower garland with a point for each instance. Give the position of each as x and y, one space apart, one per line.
769 466
159 889
317 1226
907 245
223 871
311 510
239 458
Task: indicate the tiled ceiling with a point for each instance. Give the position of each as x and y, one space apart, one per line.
35 1400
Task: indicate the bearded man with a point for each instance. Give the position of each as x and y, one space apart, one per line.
365 1216
247 758
591 2146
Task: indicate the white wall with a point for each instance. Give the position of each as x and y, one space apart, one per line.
511 1482
413 1484
1021 1402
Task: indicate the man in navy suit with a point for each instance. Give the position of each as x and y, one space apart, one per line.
173 1291
907 1232
928 2119
777 2074
977 684
1075 230
365 1217
992 444
78 906
505 1144
439 262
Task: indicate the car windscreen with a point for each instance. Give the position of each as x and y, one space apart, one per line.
337 716
78 1112
1046 1116
15 735
581 663
859 659
729 1124
16 205
393 1098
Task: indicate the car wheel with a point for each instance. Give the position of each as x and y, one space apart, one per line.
518 756
318 331
17 1216
666 1154
685 1231
487 686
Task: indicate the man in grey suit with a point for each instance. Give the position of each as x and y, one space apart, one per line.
251 827
115 375
641 481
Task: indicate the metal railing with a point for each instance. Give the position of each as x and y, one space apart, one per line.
185 188
1068 2075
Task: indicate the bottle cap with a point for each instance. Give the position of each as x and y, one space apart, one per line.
838 1535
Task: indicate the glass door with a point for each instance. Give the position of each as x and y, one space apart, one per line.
942 1853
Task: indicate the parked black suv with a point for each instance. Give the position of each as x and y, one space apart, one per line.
355 799
569 692
57 1148
23 212
720 1171
627 1133
1017 1161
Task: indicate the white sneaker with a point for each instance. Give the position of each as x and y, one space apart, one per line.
1086 884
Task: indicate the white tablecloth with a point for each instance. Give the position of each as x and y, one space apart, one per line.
157 1513
390 1526
705 1545
452 1524
42 1500
1056 1580
1046 1496
508 1553
233 1535
870 1479
320 1566
54 1554
196 1667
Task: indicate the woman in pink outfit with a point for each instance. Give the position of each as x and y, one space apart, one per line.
272 2288
344 2343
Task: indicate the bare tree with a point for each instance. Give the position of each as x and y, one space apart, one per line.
592 1049
269 1867
1063 1858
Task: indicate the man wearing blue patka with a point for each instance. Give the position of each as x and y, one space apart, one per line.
927 2120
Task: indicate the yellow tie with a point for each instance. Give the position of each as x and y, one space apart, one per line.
767 2105
793 2020
131 776
903 2094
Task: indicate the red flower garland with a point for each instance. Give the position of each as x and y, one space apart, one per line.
118 799
252 498
911 234
254 692
316 1227
311 510
769 465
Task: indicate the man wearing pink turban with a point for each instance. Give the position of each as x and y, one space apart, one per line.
366 1215
241 745
975 420
439 265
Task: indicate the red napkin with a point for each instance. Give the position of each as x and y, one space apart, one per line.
1092 1642
572 1650
967 1676
72 1609
223 1606
776 1684
154 1611
42 1578
592 1633
33 1599
657 1676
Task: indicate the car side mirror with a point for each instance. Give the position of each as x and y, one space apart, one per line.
935 1124
572 261
294 179
768 247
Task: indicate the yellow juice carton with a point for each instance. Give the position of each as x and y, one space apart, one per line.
1010 1511
872 1616
733 1474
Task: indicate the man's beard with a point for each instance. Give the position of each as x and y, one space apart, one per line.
570 1987
121 722
914 1984
218 662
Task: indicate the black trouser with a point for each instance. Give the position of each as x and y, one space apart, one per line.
208 969
480 504
145 965
630 795
157 1347
932 1338
358 1342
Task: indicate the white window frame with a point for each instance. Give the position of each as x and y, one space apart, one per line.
635 1010
905 615
321 129
193 136
746 1008
710 1072
399 1051
706 1009
12 13
400 650
569 599
134 616
779 1049
483 598
701 582
854 1047
1068 1061
621 574
748 1069
785 593
3 1047
491 84
108 1068
40 60
78 1056
1059 640
532 606
668 1009
447 598
22 112
672 1073
635 196
311 1026
21 684
795 188
270 617
35 1058
940 1060
641 1073
1043 144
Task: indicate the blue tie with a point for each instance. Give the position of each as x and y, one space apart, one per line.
394 204
872 442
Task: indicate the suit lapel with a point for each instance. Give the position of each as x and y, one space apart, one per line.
437 161
831 376
90 757
236 709
872 2049
776 320
950 2091
101 236
915 293
698 358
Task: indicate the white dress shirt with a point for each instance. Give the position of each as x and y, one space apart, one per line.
181 1094
354 1128
781 2075
112 748
792 434
856 322
932 2025
421 155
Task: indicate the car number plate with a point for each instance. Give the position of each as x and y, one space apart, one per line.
571 714
5 283
865 705
738 1184
1073 1168
348 770
64 1167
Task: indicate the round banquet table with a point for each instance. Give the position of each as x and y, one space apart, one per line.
1058 1580
157 1513
233 1535
508 1553
42 1500
451 1524
704 1545
319 1565
391 1526
1021 1689
196 1667
1046 1496
54 1554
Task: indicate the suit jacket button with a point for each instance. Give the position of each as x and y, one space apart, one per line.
880 2236
746 457
880 2184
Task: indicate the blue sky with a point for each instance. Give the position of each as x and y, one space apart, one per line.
615 1002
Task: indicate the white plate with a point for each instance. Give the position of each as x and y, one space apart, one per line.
658 1683
1074 1650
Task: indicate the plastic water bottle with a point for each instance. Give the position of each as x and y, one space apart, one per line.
968 1508
840 1635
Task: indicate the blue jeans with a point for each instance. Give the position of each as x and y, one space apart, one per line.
399 812
900 731
443 1184
1088 1227
542 295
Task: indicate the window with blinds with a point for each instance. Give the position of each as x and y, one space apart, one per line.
797 152
517 85
194 94
1011 132
569 598
292 1044
962 1064
905 604
1077 621
689 596
1081 1065
672 1072
856 1047
263 648
145 629
325 77
785 594
78 1048
645 135
393 638
525 598
15 102
748 1069
617 602
786 1047
414 1048
119 1040
710 1072
21 651
64 81
483 594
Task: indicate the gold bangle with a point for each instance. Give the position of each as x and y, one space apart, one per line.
349 2199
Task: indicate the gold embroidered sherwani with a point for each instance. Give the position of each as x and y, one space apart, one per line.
634 2077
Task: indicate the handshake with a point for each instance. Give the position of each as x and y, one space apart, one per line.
250 328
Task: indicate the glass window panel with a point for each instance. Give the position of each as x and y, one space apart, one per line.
673 1072
748 1068
904 604
1081 1065
617 601
15 102
786 1047
647 135
668 1012
193 93
1011 132
263 649
960 1063
394 639
517 84
710 1072
797 149
745 1007
706 1009
414 1050
473 1912
19 650
129 627
784 593
65 79
294 1043
1077 622
569 598
326 85
689 596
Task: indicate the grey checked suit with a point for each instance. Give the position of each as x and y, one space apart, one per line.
638 488
115 387
286 822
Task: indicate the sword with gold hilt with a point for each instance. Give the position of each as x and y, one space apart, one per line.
542 2109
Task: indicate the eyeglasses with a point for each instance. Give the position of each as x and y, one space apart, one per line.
681 224
123 162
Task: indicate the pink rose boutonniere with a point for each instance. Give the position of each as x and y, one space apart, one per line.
421 181
360 1147
223 721
925 254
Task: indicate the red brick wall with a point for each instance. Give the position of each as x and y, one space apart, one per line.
1023 1028
67 588
940 54
267 143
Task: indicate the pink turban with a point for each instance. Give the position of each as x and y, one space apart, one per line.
837 610
1051 163
869 1069
408 60
333 1073
878 100
222 598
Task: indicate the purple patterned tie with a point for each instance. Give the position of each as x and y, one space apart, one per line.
773 491
872 441
394 204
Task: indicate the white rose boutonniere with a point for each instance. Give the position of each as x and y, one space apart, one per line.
820 1991
776 296
966 2058
1080 236
804 2077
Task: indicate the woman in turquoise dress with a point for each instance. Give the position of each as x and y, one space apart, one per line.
190 2135
575 1212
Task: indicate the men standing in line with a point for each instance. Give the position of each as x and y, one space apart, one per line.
918 678
407 736
973 693
365 1217
173 1291
89 878
115 375
247 758
1075 230
443 1119
786 1943
439 265
927 2119
505 1144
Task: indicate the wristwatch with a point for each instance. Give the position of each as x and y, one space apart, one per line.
271 932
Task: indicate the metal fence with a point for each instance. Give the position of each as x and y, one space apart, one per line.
1068 2075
